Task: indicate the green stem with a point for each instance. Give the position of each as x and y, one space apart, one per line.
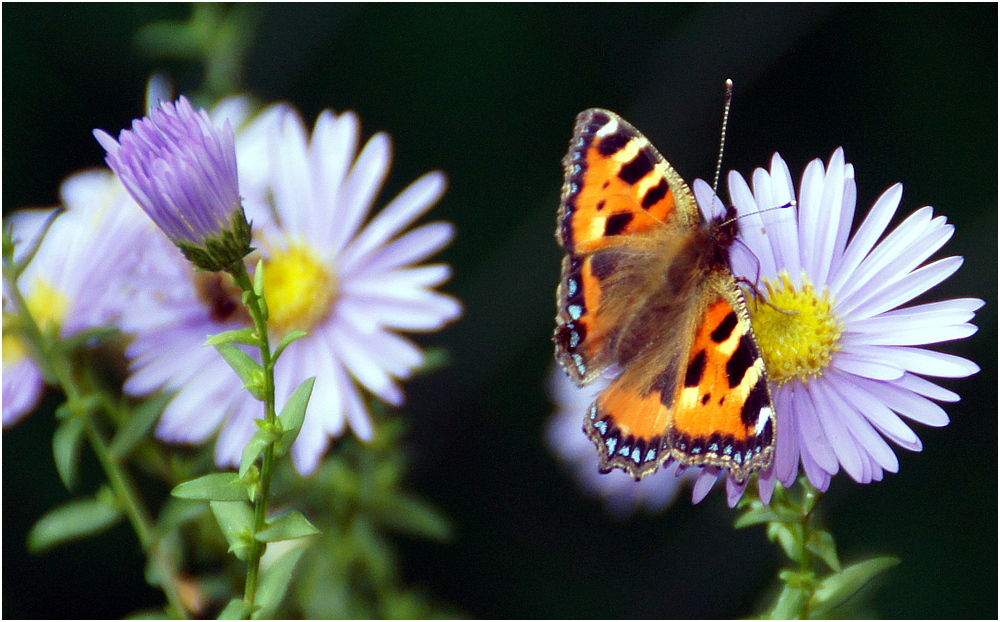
55 365
242 279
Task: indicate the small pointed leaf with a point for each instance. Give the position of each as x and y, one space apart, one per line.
255 447
293 414
275 581
235 610
72 521
249 370
212 487
288 527
247 336
235 518
837 588
138 425
292 335
412 515
788 538
66 442
822 545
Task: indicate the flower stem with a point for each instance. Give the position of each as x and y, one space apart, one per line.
55 363
242 278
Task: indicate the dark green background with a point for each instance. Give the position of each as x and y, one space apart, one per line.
488 94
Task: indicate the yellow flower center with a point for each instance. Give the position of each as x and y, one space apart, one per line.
48 306
300 289
796 327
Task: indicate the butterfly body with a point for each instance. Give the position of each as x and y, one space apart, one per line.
647 295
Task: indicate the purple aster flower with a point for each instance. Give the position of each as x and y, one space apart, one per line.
182 172
73 281
621 493
843 358
351 285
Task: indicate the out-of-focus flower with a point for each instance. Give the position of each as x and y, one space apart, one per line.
73 282
841 355
351 285
181 170
566 438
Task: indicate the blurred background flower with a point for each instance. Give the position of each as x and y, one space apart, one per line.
489 94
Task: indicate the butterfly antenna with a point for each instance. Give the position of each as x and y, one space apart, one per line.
722 141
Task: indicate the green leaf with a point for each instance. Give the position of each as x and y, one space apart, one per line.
235 610
790 604
66 442
250 371
235 518
138 425
255 447
821 544
287 339
247 336
72 521
275 581
293 414
412 515
212 487
177 512
837 588
766 514
258 278
288 527
789 539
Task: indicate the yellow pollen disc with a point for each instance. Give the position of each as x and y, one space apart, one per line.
300 289
47 305
13 349
797 329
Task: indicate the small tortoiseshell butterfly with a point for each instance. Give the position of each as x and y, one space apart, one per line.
647 290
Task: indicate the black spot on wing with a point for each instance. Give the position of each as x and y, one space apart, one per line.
616 223
725 328
742 359
695 370
614 143
640 166
655 194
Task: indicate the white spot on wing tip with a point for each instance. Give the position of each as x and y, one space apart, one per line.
609 128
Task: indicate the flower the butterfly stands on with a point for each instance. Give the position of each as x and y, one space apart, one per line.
813 363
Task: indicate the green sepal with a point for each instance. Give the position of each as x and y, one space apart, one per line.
235 518
274 583
258 288
287 527
292 416
414 516
138 425
837 588
247 336
291 336
821 544
66 443
72 521
236 610
212 487
250 371
788 538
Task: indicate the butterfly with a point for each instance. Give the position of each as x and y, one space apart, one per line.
648 297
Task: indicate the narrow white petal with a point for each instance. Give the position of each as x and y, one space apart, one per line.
925 387
863 362
809 209
824 236
832 422
868 233
915 336
930 363
813 444
397 215
334 144
360 189
294 194
905 289
413 247
751 228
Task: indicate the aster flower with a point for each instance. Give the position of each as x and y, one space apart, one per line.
620 492
182 172
64 288
842 356
351 287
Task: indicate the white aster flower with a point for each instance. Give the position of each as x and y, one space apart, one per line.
351 284
843 358
73 281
